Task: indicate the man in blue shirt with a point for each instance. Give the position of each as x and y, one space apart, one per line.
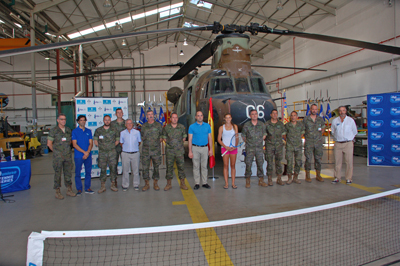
83 142
199 137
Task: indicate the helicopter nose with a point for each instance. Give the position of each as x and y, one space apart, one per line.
241 109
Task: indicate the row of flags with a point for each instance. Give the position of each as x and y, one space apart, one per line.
160 118
326 116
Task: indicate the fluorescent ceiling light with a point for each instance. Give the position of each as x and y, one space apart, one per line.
172 9
189 24
201 4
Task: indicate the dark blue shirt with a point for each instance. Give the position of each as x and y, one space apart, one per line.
200 133
82 139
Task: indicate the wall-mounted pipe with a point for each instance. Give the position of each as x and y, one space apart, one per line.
81 79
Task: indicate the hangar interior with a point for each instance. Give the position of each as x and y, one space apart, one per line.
31 99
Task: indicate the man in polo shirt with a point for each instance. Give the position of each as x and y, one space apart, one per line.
82 141
130 140
199 137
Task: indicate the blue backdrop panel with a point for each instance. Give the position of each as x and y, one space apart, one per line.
384 129
15 175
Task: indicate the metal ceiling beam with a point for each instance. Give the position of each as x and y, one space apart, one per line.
39 86
323 7
91 21
46 5
113 51
273 21
274 44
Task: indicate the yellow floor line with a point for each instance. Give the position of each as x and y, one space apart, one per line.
212 247
178 203
368 189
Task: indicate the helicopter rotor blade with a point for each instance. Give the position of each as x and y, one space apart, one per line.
206 52
113 70
295 68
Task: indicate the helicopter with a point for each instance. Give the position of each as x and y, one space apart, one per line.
232 84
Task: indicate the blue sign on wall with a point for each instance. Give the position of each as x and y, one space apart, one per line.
384 129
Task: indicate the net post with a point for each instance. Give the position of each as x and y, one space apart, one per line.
35 248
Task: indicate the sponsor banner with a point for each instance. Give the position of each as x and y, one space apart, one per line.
15 175
384 129
95 109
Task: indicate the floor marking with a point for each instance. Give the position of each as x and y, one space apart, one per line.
178 203
373 190
212 247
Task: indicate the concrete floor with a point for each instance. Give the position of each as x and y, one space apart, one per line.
37 209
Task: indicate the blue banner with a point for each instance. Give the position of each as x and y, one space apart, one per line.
15 175
384 129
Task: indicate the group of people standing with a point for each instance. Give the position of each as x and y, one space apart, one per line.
120 138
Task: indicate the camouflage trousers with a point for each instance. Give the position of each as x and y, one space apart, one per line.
294 157
309 151
259 154
145 158
62 163
110 159
180 161
272 152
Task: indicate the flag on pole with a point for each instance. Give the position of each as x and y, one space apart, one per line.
155 115
161 117
285 111
321 111
328 114
142 117
308 109
211 122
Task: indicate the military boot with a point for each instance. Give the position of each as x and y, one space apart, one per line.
58 194
279 181
247 182
318 177
155 185
261 182
308 178
102 188
168 186
295 179
70 192
114 186
183 185
146 186
289 180
270 181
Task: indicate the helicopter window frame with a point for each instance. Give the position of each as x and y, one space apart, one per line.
241 79
218 79
260 82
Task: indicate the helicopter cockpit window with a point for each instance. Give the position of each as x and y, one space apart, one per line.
242 85
221 85
258 86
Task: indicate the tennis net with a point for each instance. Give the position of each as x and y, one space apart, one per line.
352 232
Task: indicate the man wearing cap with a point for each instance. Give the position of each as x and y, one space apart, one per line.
82 141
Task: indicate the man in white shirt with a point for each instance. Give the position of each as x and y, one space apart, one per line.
343 130
130 140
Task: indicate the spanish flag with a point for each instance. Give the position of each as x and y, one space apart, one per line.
211 123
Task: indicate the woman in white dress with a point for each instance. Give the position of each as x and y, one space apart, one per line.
225 134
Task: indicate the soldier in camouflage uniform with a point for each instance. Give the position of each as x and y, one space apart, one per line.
59 141
274 147
118 124
174 135
294 134
314 128
106 138
151 149
253 133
